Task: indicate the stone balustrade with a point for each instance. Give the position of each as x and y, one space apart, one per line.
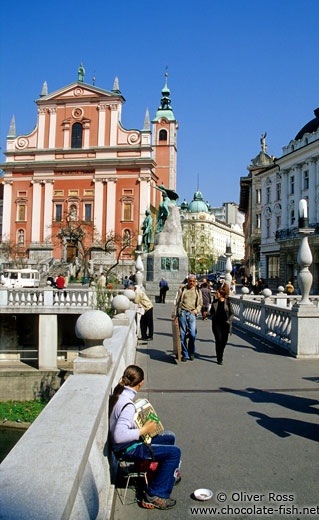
62 468
48 299
281 320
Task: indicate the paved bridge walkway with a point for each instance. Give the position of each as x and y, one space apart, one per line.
250 425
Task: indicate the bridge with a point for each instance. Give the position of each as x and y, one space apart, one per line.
241 427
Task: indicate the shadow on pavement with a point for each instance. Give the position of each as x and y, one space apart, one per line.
293 402
284 427
158 355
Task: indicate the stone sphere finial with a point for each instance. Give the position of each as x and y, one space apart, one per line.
267 292
245 290
129 294
120 303
281 289
94 327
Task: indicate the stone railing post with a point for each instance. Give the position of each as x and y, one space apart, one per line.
93 327
48 297
244 293
139 264
120 304
263 325
4 297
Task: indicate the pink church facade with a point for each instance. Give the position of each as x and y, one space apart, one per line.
80 160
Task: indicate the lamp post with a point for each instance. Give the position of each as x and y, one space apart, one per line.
138 263
304 257
228 266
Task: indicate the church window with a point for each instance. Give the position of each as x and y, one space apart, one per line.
58 193
162 135
21 212
127 211
88 192
73 193
58 212
76 140
88 212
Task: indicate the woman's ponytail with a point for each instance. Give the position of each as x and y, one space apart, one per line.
132 376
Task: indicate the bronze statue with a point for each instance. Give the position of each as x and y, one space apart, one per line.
147 228
163 210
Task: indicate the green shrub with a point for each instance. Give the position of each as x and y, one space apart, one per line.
25 411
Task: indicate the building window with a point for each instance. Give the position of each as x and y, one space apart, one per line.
20 237
89 192
88 212
127 211
268 228
306 180
76 140
278 191
273 266
58 212
21 212
278 221
268 200
292 217
258 196
292 185
58 193
74 193
258 220
162 135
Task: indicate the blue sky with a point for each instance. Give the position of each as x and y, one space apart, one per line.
236 69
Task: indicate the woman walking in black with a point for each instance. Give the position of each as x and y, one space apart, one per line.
222 315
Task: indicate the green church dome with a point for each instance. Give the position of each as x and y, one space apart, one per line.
198 204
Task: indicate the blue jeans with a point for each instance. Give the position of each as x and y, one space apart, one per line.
168 457
187 321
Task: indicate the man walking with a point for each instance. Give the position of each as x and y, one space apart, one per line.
188 305
163 285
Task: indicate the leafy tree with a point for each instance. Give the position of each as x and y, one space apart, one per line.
84 237
13 254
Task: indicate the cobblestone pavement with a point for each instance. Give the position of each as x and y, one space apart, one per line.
249 426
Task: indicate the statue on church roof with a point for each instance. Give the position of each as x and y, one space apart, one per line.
81 72
263 142
169 196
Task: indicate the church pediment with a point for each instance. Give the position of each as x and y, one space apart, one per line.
79 90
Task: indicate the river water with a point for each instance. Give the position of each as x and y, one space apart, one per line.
8 438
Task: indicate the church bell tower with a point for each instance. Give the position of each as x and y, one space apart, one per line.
164 141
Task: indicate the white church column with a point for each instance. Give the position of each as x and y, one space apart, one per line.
145 196
110 205
284 199
7 201
52 127
101 131
36 211
98 207
41 124
114 121
47 223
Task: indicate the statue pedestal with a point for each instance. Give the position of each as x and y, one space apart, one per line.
168 259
